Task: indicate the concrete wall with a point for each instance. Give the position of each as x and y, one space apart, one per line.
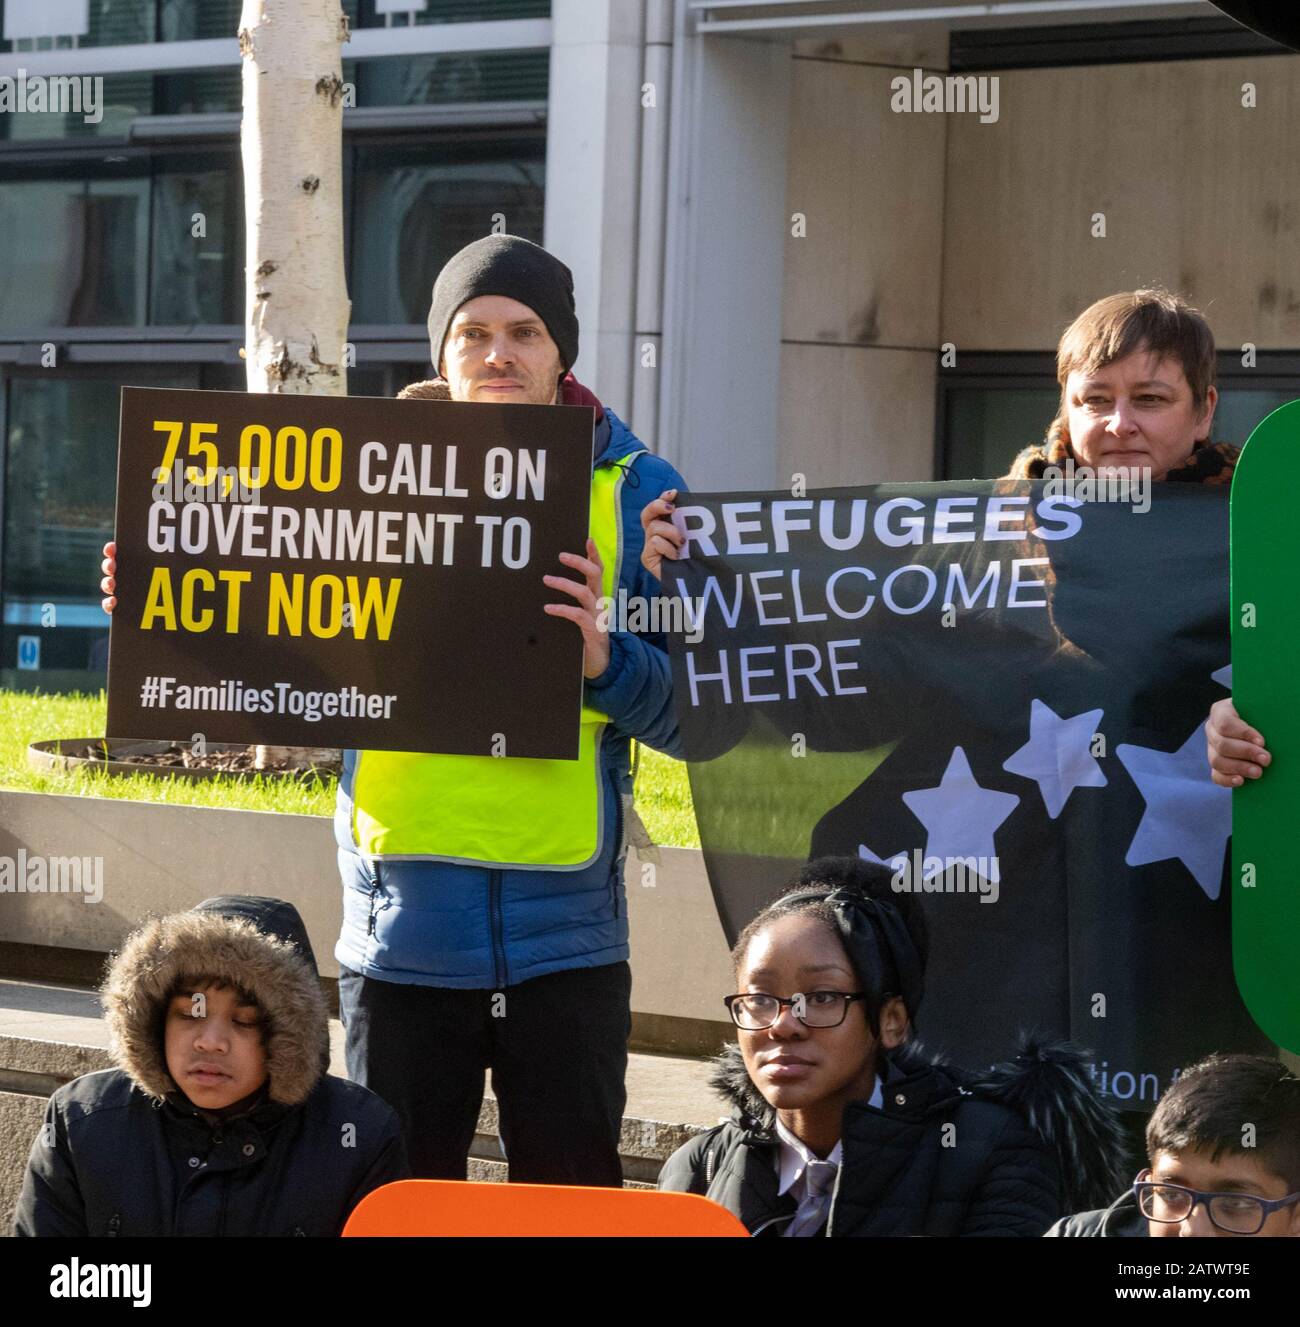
592 178
1199 193
724 262
160 859
860 317
924 229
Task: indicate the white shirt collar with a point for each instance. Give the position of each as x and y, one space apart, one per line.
795 1155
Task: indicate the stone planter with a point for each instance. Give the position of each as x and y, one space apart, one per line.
169 760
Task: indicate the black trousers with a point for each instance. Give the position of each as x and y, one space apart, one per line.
556 1047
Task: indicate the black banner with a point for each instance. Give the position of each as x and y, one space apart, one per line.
999 689
356 572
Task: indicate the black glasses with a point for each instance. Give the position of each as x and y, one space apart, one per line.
755 1010
1233 1213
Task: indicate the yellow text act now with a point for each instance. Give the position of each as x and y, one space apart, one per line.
325 605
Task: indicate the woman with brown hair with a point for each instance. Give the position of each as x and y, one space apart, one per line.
1137 394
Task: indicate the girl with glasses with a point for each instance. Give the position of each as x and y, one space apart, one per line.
842 1125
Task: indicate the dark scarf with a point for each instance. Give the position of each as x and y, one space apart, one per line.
1211 463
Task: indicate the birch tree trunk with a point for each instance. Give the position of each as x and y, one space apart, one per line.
291 138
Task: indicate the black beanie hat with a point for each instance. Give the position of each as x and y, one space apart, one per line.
518 269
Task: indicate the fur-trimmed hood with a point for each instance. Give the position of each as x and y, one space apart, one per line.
259 946
1046 1083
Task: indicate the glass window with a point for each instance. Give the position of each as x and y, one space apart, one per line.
416 206
422 80
120 22
50 24
60 484
112 102
200 92
74 253
984 427
197 254
43 25
1241 408
191 20
204 91
55 24
380 13
27 21
60 487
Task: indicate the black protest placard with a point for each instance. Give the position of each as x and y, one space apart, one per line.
355 572
999 692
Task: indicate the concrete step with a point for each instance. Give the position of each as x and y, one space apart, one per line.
50 1033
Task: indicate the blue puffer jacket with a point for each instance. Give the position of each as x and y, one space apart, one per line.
438 924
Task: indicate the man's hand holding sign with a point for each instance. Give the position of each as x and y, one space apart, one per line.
450 862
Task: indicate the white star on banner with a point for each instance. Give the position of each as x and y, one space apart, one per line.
1223 676
1187 816
1058 756
959 816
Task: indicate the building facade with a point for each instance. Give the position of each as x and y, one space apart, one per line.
788 262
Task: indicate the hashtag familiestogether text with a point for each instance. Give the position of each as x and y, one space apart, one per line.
233 696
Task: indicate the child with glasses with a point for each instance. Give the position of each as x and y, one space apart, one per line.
1224 1153
841 1124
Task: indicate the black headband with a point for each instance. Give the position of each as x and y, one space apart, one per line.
879 946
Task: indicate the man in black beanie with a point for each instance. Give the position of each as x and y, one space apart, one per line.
484 912
489 277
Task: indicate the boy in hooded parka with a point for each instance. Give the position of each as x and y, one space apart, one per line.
220 1119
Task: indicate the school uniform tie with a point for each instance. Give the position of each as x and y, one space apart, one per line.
814 1207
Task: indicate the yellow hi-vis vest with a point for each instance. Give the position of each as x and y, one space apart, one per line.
497 811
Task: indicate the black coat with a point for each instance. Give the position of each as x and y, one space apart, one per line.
946 1154
125 1152
122 1164
1121 1220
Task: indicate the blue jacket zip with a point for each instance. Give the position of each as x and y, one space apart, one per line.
430 944
616 873
498 942
374 901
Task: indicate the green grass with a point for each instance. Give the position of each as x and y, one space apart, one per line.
765 802
663 795
663 800
27 717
